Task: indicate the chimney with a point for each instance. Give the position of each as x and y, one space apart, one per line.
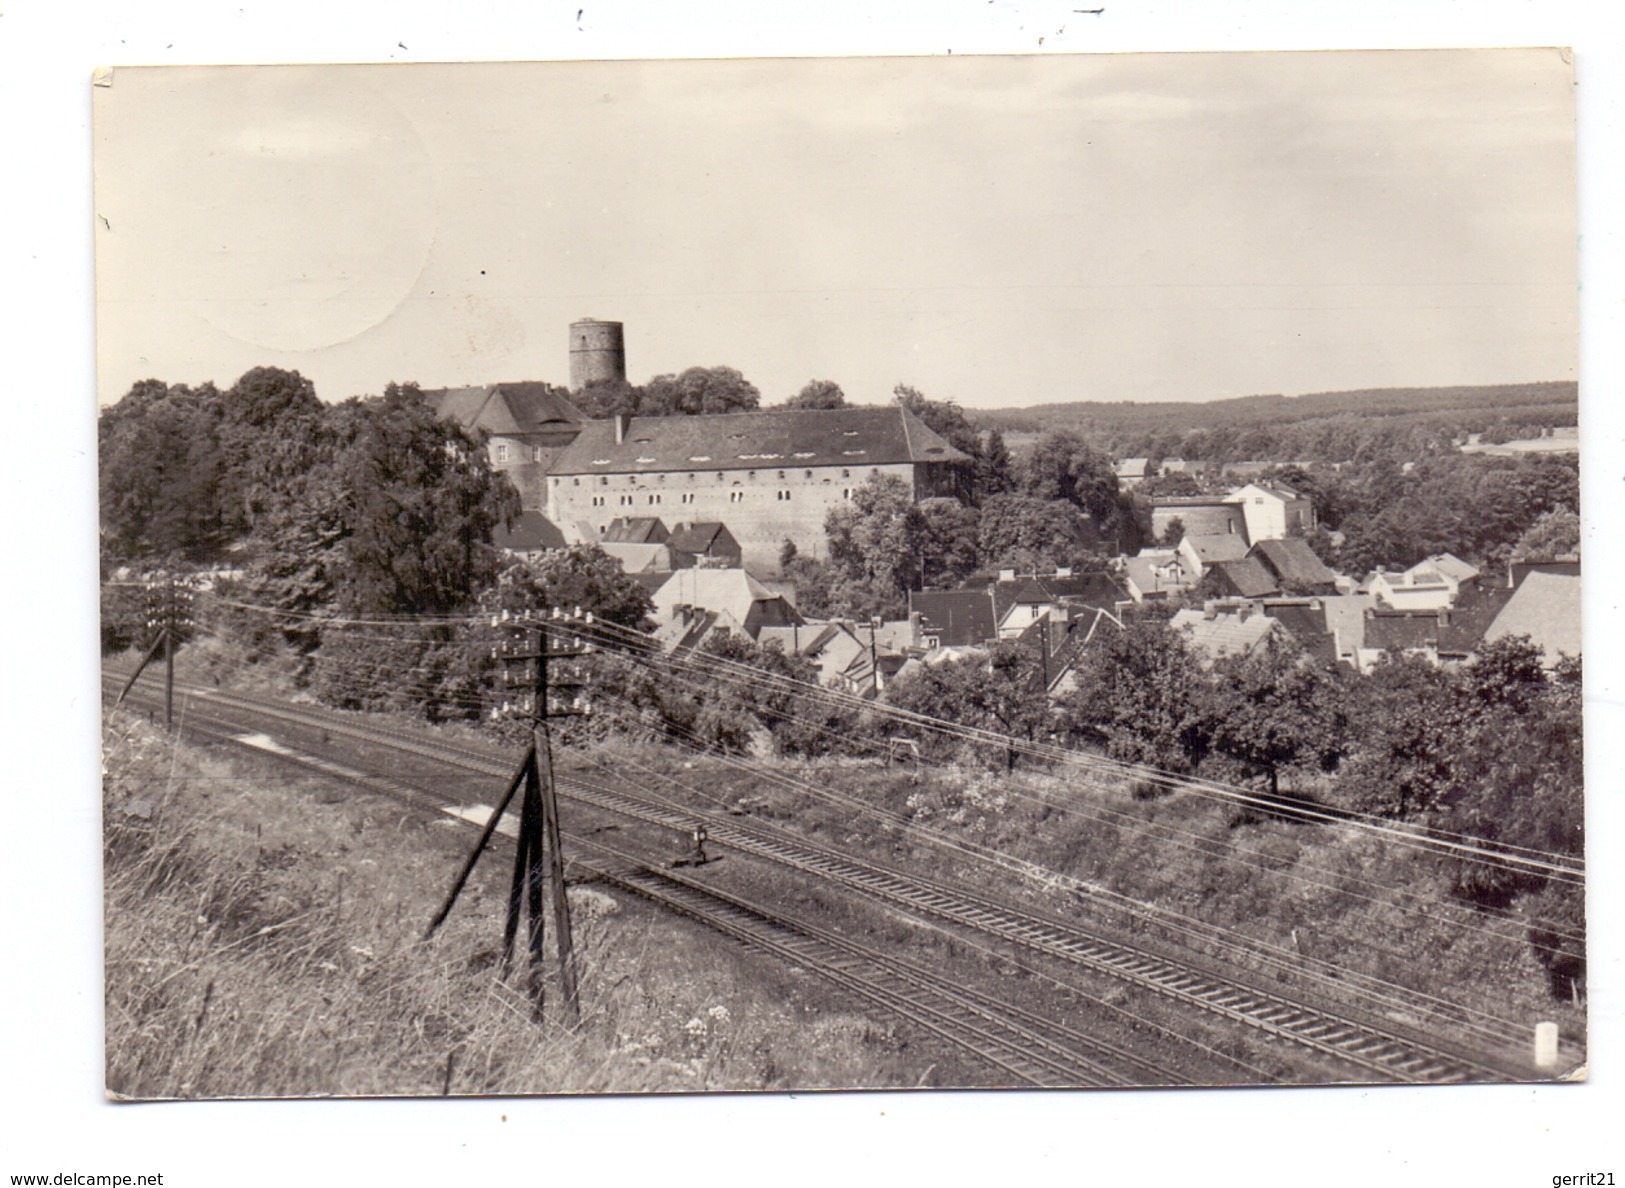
1063 571
1007 575
621 421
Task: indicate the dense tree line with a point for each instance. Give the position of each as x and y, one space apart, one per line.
1317 427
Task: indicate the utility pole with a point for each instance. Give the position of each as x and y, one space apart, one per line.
169 608
539 856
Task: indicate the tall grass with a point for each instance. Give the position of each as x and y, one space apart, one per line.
262 939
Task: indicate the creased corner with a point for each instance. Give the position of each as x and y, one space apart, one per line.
102 76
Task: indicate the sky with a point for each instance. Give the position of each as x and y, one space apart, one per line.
1000 231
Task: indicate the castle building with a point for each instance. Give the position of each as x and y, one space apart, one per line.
770 476
527 425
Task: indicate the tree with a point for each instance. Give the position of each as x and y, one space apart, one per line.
1517 784
1023 532
160 473
698 391
948 550
1063 465
1411 730
993 693
875 544
1554 534
1275 709
994 472
581 577
1141 699
607 398
421 503
817 394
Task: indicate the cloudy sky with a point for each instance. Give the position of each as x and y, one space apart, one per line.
1000 231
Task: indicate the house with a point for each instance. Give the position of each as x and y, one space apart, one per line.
1058 640
1518 570
1216 635
1273 511
1201 551
635 530
1546 608
529 537
1295 566
771 475
954 618
706 542
728 592
1451 568
635 558
1468 620
1133 471
1156 574
527 425
1415 589
1246 578
1305 620
858 657
1400 633
1020 602
1196 515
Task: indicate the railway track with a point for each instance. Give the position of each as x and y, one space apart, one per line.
1031 1049
1377 1049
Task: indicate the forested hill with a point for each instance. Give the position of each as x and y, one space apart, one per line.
1273 425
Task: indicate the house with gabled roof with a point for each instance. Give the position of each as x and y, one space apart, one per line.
1295 566
706 542
1156 575
1200 551
1546 608
1019 602
527 426
1246 578
732 593
528 536
635 530
1216 634
770 476
954 618
1274 511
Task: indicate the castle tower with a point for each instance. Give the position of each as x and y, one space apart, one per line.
597 353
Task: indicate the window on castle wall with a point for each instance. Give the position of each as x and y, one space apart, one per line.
846 474
781 475
502 452
808 474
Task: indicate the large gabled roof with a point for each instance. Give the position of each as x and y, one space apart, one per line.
1211 548
1292 560
1222 635
1545 607
780 439
530 532
956 617
507 409
1249 577
700 536
636 530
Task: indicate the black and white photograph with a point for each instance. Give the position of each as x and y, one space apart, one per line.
962 593
654 577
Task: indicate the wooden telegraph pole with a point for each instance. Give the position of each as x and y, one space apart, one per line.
539 856
169 601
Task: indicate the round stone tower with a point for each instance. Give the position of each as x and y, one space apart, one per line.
597 353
